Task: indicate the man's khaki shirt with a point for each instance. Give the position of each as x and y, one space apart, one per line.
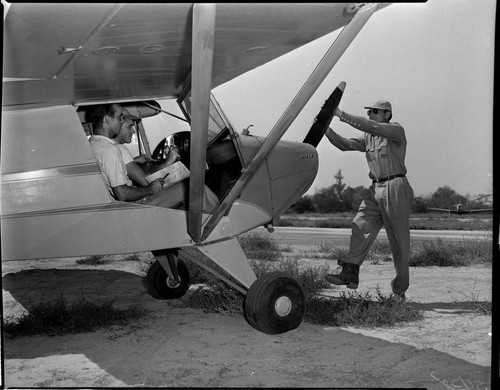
383 143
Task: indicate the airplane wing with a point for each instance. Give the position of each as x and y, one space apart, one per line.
461 211
102 52
445 210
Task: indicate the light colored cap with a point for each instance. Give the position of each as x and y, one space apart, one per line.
381 105
128 115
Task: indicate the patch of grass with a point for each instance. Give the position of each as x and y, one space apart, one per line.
93 260
58 318
451 254
425 221
380 251
438 252
217 298
133 257
361 310
472 299
260 247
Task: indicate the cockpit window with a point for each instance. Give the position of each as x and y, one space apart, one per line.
216 123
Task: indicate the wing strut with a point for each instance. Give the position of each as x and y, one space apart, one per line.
310 86
201 80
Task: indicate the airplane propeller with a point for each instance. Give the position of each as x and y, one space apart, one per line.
325 116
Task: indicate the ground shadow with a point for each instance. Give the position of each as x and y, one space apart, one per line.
30 287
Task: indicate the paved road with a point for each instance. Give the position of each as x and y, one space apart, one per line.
314 236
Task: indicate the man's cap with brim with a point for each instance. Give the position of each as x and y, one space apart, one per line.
381 105
128 115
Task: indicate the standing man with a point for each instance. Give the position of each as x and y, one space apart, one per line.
389 199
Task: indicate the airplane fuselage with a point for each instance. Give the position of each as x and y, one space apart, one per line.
55 202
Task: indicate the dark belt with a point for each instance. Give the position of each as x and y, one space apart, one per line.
385 178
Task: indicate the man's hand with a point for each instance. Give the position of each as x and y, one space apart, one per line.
338 112
156 185
173 156
142 159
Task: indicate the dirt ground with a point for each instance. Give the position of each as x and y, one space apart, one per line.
179 347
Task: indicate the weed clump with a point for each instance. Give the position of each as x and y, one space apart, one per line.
93 260
216 298
59 318
361 310
442 253
259 247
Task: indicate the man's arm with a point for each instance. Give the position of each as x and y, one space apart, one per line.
393 131
345 144
126 193
136 173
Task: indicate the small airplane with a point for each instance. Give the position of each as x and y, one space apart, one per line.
61 58
460 210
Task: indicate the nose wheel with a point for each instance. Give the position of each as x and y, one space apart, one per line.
275 303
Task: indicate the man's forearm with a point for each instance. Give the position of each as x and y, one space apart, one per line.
342 143
391 131
125 193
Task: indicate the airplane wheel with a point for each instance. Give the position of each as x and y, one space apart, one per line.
275 303
161 286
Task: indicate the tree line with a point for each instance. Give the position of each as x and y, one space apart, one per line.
339 197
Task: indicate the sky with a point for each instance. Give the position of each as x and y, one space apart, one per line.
433 61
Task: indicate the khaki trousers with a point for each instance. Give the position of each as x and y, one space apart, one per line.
387 204
178 193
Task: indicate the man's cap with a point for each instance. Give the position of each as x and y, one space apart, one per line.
381 105
128 115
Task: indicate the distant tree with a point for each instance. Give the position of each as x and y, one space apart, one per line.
445 197
325 201
339 186
419 205
303 205
352 197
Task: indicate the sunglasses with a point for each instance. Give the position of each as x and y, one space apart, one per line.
375 111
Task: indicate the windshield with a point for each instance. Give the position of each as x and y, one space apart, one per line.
216 121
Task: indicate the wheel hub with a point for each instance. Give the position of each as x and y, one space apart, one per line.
172 283
283 306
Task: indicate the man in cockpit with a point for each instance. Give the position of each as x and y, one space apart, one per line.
140 166
107 120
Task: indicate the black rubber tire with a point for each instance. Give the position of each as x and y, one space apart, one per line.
260 303
157 282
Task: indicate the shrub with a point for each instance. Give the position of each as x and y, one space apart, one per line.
260 247
355 309
218 298
451 254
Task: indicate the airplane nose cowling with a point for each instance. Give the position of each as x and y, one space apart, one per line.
285 175
292 169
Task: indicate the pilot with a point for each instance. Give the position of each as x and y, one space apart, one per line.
106 121
389 199
140 166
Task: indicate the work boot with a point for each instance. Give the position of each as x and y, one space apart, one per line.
348 277
399 297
